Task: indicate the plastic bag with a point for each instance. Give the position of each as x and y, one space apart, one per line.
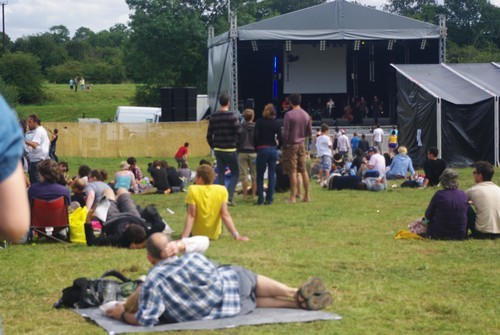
76 229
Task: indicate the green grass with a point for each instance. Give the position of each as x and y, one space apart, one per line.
381 285
65 105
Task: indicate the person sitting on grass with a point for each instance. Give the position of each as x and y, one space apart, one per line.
123 227
96 187
191 287
447 211
48 188
207 207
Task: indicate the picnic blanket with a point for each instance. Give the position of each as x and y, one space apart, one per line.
257 317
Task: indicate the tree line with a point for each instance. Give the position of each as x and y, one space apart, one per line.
164 43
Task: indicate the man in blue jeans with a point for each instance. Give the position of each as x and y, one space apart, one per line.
222 136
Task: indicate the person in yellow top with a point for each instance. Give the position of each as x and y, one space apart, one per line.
392 141
207 207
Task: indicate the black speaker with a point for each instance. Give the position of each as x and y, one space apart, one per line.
191 101
180 104
384 121
342 122
167 104
328 121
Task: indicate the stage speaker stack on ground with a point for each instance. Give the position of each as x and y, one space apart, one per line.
178 104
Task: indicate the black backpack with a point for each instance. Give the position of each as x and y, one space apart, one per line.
85 293
154 221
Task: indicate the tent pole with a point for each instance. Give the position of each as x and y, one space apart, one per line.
438 127
496 119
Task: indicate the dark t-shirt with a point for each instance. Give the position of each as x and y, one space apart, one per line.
433 169
160 179
173 177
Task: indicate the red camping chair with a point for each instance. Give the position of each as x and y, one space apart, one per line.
49 217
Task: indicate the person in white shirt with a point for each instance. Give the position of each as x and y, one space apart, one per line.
378 137
377 161
38 142
343 144
324 150
485 197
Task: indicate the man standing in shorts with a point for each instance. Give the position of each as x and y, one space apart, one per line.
296 128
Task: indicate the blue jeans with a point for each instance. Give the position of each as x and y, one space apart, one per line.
266 157
229 159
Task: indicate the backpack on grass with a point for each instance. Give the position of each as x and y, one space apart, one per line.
85 292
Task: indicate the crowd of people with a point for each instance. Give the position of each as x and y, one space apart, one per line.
191 287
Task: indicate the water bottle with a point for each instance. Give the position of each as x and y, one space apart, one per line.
49 231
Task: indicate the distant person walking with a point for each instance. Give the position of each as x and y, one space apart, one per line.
296 128
71 84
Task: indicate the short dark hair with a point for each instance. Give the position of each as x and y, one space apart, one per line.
131 160
295 99
84 171
224 99
64 164
485 169
324 127
50 171
204 162
186 144
433 151
35 118
135 233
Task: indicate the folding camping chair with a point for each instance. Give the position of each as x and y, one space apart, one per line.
48 217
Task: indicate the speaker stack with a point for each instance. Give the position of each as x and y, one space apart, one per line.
178 104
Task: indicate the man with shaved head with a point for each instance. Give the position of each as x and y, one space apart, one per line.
192 287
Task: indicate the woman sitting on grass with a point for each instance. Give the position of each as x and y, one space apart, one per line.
96 187
447 211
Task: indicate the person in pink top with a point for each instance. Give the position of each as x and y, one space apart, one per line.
297 126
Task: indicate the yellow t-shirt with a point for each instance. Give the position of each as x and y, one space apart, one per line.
208 200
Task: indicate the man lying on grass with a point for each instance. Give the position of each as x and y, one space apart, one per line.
191 287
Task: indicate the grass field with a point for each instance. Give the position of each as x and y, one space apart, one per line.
66 105
381 285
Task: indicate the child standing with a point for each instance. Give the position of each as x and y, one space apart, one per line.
324 150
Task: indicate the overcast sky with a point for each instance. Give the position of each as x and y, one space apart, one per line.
28 17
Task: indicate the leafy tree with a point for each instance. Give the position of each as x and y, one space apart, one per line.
44 47
83 33
79 50
22 71
64 72
407 7
167 44
60 33
9 92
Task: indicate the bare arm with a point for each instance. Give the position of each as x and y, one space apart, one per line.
188 224
14 207
90 199
227 220
118 313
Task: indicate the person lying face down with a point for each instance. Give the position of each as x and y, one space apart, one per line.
123 227
192 287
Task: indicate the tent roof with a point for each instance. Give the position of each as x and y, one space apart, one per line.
336 20
487 75
443 83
